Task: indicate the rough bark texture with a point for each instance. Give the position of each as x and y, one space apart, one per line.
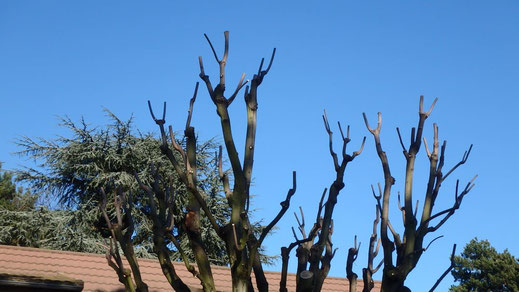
121 232
314 258
411 246
241 243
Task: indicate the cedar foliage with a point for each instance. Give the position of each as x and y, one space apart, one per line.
72 169
480 267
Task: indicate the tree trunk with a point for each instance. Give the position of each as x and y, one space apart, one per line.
391 281
239 284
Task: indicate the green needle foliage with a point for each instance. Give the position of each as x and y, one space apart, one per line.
23 224
51 229
14 198
481 268
72 169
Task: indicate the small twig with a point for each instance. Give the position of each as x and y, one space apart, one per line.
330 141
191 103
358 152
404 150
462 161
284 207
212 48
320 209
453 263
157 121
240 86
438 237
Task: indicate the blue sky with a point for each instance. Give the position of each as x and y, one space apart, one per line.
76 57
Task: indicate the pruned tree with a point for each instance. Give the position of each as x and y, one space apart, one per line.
242 243
121 234
315 251
353 253
367 272
241 239
410 246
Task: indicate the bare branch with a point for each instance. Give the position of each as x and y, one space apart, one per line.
377 197
271 61
157 121
404 150
426 148
212 48
301 224
118 203
226 49
453 263
427 247
183 255
320 209
379 124
432 106
395 234
401 208
223 176
352 256
358 152
240 86
191 103
330 143
294 233
457 203
176 146
284 207
347 137
378 266
102 206
462 161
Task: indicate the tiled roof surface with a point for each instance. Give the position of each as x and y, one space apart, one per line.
94 271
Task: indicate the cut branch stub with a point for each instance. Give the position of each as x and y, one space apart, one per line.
191 103
217 94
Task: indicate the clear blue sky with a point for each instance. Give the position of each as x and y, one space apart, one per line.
76 57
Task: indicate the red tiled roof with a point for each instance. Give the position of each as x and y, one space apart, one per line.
94 271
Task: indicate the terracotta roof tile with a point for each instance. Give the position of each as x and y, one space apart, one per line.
93 270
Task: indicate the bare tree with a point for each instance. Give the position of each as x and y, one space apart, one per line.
314 257
315 249
367 273
241 243
410 246
121 233
163 223
353 253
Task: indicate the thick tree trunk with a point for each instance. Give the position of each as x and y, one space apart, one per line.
391 281
239 284
204 267
192 218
